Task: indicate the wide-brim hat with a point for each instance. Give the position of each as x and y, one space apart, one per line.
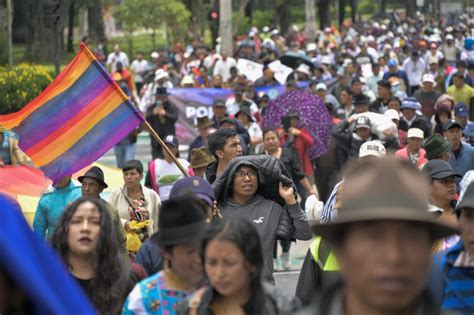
332 231
410 103
246 111
469 129
380 190
181 220
435 145
180 235
203 122
201 157
96 173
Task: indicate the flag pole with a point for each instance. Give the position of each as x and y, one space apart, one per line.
153 133
165 147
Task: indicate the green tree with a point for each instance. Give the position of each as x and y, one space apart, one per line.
127 15
176 17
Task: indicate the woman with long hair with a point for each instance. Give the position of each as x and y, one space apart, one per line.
182 223
232 258
85 239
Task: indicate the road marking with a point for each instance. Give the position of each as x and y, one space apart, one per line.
281 273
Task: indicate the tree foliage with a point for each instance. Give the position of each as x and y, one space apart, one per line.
153 15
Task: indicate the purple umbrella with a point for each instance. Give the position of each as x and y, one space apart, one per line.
314 116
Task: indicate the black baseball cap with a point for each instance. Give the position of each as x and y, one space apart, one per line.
451 124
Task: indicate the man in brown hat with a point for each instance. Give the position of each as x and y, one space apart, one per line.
204 126
382 239
200 159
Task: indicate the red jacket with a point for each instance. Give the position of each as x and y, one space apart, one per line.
403 154
301 145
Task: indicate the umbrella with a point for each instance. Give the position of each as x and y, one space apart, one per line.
314 116
26 184
293 59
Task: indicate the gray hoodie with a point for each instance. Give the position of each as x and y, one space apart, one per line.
270 218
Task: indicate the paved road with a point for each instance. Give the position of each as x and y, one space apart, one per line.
285 280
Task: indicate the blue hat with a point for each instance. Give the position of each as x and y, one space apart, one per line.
170 139
195 185
469 130
460 110
410 103
392 63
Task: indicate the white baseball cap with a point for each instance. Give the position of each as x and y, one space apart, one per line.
392 114
415 133
321 86
154 55
429 78
304 68
372 148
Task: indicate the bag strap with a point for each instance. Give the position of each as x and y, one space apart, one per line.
152 168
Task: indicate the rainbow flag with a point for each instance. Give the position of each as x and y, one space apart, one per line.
75 120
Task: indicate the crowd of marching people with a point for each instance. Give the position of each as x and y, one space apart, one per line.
367 152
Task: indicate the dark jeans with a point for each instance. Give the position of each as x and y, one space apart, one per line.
285 246
139 86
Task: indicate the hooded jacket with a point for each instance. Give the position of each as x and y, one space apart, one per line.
266 210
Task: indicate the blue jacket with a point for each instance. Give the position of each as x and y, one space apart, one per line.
464 162
51 206
149 257
452 286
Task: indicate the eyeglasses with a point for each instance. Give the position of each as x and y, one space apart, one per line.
251 174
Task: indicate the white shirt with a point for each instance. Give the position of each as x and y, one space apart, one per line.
414 70
222 68
166 174
233 107
139 67
113 58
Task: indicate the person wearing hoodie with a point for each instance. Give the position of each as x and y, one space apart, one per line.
247 188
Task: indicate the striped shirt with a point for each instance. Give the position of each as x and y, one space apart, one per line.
330 211
458 293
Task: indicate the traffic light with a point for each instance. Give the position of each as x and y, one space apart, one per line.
51 12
